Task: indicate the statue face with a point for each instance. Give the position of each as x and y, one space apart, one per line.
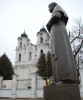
51 7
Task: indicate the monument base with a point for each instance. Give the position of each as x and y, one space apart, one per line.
62 92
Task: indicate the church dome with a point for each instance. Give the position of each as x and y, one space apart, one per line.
24 34
43 29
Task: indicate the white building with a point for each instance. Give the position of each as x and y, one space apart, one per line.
27 55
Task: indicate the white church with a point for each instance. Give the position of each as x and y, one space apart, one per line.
25 82
27 55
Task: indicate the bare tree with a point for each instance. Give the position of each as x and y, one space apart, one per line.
76 39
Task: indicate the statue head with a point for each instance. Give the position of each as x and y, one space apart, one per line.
51 6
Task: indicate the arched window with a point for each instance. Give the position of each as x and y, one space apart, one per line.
19 57
41 40
20 44
30 55
41 52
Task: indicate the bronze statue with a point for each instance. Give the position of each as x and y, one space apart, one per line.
63 66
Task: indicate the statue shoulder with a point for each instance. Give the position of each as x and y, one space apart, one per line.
59 9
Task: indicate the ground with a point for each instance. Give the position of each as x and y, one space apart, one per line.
25 99
18 99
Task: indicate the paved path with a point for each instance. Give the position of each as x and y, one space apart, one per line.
18 99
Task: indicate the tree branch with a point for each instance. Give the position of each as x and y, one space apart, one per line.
78 49
74 39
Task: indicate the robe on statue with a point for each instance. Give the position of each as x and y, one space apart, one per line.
63 66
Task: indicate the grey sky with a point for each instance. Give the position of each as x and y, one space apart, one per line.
31 15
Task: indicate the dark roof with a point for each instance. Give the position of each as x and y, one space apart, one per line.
24 34
43 29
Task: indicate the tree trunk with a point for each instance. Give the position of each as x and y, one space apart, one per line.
46 82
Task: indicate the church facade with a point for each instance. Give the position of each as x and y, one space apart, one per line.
27 55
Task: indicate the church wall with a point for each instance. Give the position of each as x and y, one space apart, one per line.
25 53
30 48
24 42
24 71
18 42
46 38
38 39
22 52
43 47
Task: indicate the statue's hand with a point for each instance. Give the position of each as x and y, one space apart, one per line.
52 21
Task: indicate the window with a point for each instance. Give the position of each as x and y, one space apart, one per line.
20 44
41 52
29 87
19 57
30 55
41 40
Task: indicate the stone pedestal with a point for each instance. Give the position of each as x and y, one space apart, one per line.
62 92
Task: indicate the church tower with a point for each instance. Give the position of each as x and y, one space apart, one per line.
42 37
42 41
23 41
25 61
27 55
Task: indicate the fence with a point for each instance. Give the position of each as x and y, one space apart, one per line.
22 88
30 88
